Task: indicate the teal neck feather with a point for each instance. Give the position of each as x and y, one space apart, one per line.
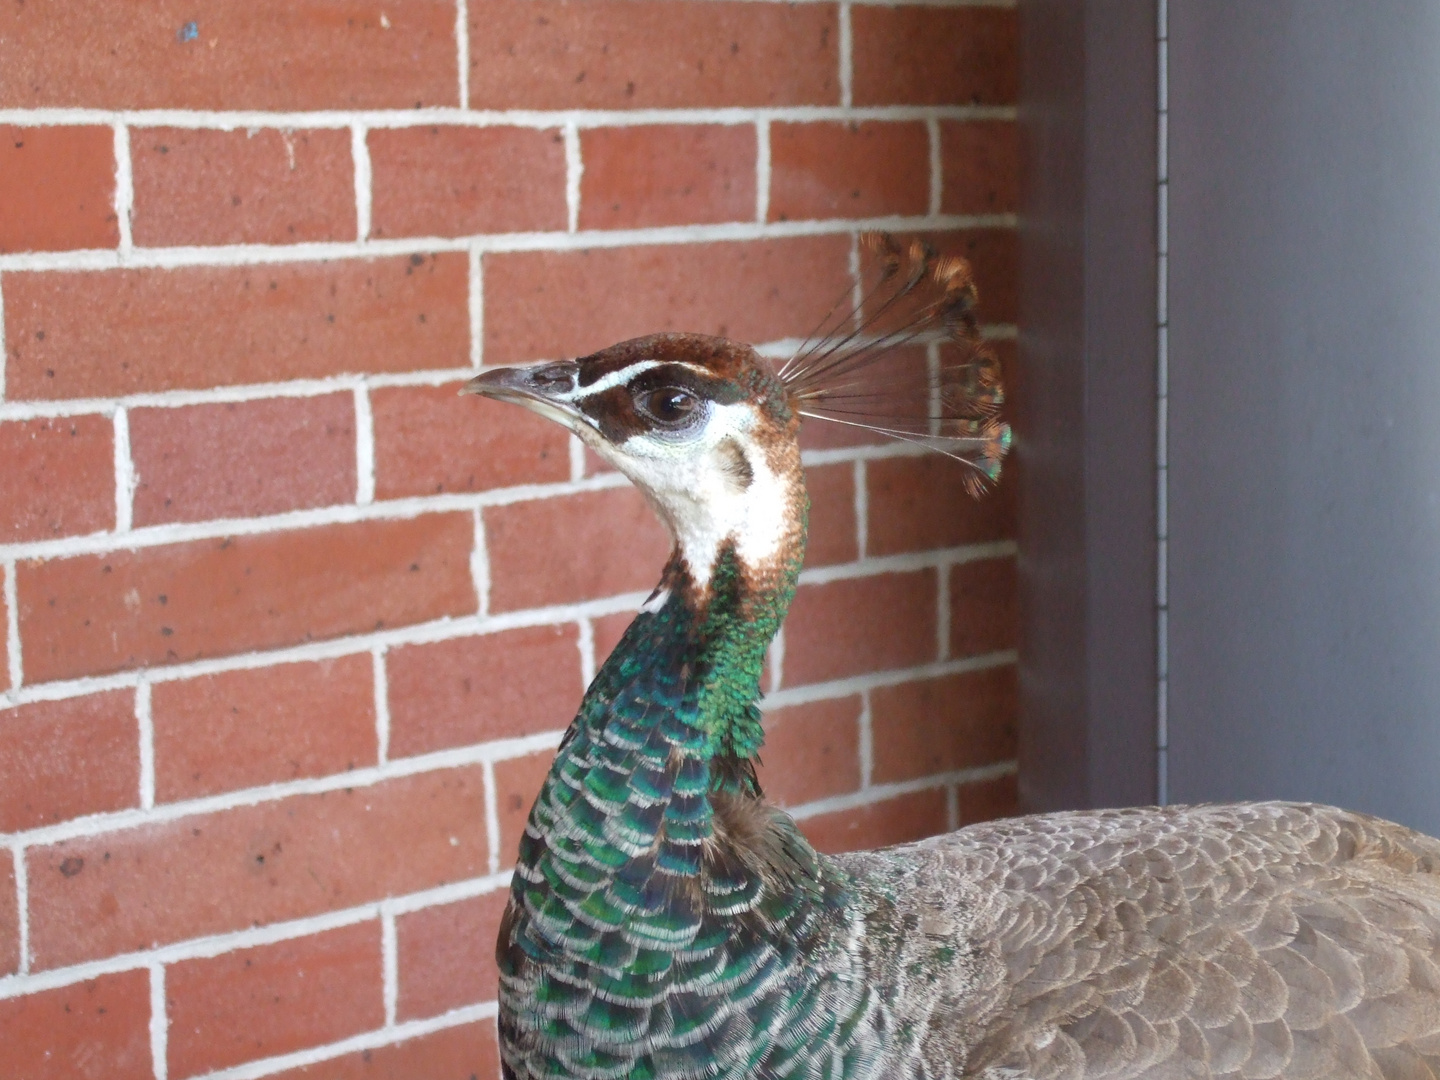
658 906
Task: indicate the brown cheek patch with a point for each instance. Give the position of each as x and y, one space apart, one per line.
614 414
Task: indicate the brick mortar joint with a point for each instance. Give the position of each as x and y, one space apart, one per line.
220 944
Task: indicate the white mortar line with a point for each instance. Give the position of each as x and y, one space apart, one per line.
460 757
125 478
3 353
360 155
243 392
577 458
22 909
939 558
159 1024
12 629
381 685
145 724
480 565
585 642
445 629
492 818
937 170
475 305
389 965
574 170
866 741
942 614
762 170
462 51
210 946
482 754
777 660
372 1040
339 514
862 506
845 47
884 792
855 684
364 447
124 186
532 118
322 251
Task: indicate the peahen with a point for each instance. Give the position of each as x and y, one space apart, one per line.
665 921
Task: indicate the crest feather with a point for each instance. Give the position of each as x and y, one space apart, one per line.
907 360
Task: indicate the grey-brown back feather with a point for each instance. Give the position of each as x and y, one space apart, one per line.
1249 941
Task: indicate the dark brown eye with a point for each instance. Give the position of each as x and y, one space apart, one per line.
669 404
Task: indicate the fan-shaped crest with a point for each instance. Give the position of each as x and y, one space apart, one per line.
907 360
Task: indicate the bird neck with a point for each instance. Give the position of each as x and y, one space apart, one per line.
691 661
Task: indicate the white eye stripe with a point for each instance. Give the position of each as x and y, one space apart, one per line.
624 375
612 380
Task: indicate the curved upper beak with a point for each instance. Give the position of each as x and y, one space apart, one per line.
547 389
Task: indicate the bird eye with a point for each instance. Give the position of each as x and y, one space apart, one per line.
669 404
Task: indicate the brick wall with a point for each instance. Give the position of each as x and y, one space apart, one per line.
291 631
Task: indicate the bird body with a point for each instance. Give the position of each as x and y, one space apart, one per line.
666 922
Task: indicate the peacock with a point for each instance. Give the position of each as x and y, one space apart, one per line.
665 921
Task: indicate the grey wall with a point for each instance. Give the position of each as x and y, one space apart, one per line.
1304 492
1085 423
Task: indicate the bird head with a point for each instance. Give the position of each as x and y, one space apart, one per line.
701 425
708 430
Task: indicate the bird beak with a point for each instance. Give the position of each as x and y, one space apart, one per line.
547 389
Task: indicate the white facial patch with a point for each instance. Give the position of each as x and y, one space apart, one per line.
693 488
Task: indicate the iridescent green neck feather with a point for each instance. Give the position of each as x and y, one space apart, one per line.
664 921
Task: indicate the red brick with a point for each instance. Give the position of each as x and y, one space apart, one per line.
548 304
429 441
242 459
57 185
466 1052
894 821
579 547
827 170
517 783
667 174
609 54
609 629
920 503
940 725
812 751
229 54
857 625
59 477
274 999
447 955
994 257
984 607
95 1030
980 167
914 55
986 800
240 729
832 514
9 917
92 614
62 759
252 186
4 647
474 689
456 181
134 889
106 333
